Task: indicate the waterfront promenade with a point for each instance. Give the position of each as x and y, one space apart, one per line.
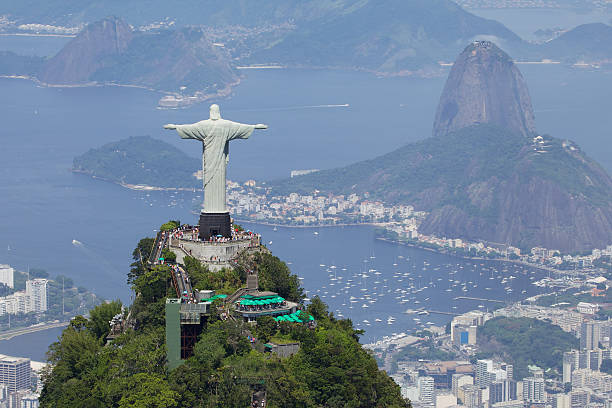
9 334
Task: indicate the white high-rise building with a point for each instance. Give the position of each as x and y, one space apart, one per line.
37 290
6 275
427 394
589 335
29 400
15 373
459 380
489 371
533 390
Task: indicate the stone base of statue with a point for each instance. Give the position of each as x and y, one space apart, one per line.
214 224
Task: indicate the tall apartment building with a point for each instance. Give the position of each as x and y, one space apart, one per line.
460 379
427 393
29 400
37 290
583 359
502 391
589 335
6 275
561 401
579 398
15 373
489 371
33 299
470 396
533 390
593 380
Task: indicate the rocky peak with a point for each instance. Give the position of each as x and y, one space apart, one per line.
484 86
89 51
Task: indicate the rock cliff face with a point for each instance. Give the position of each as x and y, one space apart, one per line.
554 196
484 86
87 53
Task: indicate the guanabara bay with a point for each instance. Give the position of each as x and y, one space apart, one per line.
306 204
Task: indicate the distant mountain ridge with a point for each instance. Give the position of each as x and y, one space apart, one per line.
492 180
108 51
393 36
587 42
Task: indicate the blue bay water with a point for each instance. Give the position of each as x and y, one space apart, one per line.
44 207
31 45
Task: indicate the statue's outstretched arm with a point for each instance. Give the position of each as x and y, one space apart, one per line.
260 126
170 126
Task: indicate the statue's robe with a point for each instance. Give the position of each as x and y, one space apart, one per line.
215 136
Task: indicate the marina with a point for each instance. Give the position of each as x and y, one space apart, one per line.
393 288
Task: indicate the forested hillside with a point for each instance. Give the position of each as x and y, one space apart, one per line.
331 368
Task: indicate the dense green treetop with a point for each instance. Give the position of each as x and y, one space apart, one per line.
140 160
525 341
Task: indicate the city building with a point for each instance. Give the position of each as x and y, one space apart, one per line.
3 392
33 299
533 390
594 380
587 308
502 391
579 398
508 404
561 401
15 373
6 275
589 335
445 400
463 335
443 371
470 395
459 380
23 399
489 371
427 392
37 290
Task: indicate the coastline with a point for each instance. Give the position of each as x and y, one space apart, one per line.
9 334
477 258
37 35
308 226
185 103
133 187
142 187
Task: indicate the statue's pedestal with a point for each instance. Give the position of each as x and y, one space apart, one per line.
213 224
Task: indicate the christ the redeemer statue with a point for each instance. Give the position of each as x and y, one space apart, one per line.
215 134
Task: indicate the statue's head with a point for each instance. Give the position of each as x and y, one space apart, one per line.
215 114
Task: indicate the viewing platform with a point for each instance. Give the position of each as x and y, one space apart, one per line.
216 253
253 305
